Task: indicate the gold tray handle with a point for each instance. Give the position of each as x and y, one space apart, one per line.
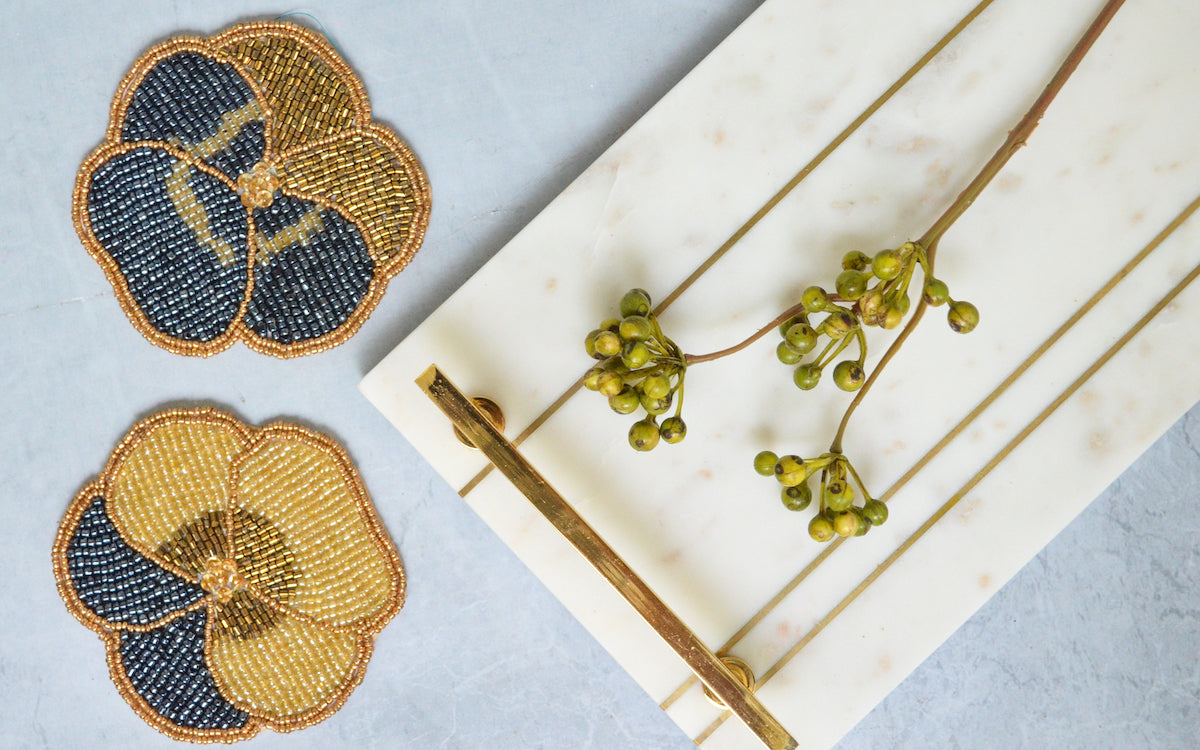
475 425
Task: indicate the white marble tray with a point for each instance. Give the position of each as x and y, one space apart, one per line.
1105 176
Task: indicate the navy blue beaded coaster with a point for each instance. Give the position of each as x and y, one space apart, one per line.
243 192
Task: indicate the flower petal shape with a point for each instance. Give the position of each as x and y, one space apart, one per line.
108 581
182 275
291 673
345 570
237 576
216 144
164 673
200 105
374 178
167 480
311 273
303 81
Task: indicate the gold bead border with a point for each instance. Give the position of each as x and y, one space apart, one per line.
110 633
211 48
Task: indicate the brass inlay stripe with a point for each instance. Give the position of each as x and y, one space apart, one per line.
970 485
758 216
957 430
758 617
825 152
478 428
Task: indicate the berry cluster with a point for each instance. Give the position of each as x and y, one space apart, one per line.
837 515
870 291
800 337
886 303
639 368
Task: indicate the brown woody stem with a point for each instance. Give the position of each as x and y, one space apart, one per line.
695 359
1016 139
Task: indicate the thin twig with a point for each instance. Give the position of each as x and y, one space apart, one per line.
1018 135
1016 139
694 359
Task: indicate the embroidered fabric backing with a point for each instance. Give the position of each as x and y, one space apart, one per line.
237 576
243 192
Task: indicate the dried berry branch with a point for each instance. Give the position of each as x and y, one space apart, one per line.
641 368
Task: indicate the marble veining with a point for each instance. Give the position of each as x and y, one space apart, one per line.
1098 180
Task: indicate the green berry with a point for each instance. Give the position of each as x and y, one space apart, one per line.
790 471
673 430
849 375
656 386
936 292
785 325
855 260
655 406
787 354
634 354
893 318
764 463
887 264
607 343
903 304
851 284
636 328
635 302
838 324
871 306
614 364
643 435
839 496
610 324
796 498
610 383
625 402
589 344
845 523
814 299
875 512
963 317
806 377
802 337
591 381
820 529
864 525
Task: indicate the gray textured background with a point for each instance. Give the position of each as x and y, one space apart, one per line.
1094 644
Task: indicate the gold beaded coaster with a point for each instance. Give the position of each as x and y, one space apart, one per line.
237 576
243 192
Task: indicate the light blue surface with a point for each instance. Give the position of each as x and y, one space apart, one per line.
1092 645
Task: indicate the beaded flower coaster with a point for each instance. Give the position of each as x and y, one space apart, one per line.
237 576
244 192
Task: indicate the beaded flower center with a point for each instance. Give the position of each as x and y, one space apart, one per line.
262 558
257 187
221 579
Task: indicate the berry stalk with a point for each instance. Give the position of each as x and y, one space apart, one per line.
641 369
1018 136
695 359
1016 139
